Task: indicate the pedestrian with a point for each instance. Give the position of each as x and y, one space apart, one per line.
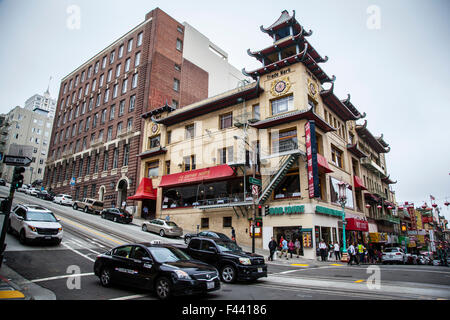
272 248
337 251
361 250
291 247
167 218
233 234
284 249
352 253
323 250
124 204
297 247
145 212
281 243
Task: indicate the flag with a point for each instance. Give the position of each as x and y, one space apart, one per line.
432 198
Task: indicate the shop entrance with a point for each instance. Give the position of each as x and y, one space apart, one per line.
289 233
148 209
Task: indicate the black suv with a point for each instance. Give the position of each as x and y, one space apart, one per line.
231 261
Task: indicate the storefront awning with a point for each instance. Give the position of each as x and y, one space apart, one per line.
359 183
145 191
323 164
199 175
354 224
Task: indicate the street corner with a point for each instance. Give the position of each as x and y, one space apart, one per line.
10 291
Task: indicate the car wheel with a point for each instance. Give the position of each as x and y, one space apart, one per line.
60 203
22 237
163 288
75 207
228 274
144 228
86 209
187 240
105 277
115 219
103 216
162 233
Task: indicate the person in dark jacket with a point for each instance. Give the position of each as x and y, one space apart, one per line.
272 248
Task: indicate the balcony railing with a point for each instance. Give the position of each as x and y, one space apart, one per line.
373 166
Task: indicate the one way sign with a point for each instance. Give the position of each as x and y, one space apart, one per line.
17 161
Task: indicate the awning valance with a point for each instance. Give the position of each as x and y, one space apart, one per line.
199 175
354 224
145 191
359 183
323 164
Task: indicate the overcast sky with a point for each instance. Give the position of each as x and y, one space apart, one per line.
396 68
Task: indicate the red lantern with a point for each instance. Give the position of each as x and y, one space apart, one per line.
390 207
434 205
367 206
424 206
400 208
446 203
379 206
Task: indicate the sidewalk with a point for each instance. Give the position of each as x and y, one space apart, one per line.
14 287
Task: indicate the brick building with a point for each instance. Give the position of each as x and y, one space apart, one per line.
97 131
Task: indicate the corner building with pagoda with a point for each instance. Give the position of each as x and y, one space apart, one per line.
286 133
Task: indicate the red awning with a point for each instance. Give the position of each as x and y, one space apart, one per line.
323 164
359 183
199 175
145 191
354 224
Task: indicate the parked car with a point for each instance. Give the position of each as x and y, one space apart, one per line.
163 228
231 261
2 182
32 191
208 234
117 215
34 223
393 255
45 195
162 268
23 188
423 259
88 205
63 199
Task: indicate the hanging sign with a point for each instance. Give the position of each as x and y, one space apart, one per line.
311 155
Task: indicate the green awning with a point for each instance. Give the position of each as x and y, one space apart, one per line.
329 211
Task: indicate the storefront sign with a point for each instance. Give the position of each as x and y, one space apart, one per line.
307 239
354 224
311 155
287 210
377 237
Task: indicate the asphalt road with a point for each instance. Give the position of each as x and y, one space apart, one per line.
86 236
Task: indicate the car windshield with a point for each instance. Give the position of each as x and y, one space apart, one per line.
68 197
164 255
98 204
40 216
391 250
171 224
228 246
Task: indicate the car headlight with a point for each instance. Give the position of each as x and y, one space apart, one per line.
32 228
182 275
245 261
59 229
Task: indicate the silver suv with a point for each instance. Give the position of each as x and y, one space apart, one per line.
33 223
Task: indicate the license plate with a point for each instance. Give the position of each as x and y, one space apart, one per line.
260 270
47 238
210 285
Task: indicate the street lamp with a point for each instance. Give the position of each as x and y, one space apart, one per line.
343 200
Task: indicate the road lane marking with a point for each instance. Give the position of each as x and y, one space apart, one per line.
359 281
337 265
11 294
77 252
82 245
89 230
137 296
300 265
63 277
289 271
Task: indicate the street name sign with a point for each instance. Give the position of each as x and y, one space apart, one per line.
255 181
17 161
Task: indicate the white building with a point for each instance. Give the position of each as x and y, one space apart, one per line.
42 102
199 50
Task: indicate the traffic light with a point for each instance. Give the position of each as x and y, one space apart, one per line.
18 177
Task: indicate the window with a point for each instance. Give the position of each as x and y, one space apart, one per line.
119 66
204 223
94 85
109 133
86 91
112 111
80 168
82 76
80 127
169 137
139 39
99 99
137 59
152 169
88 121
92 137
104 62
111 57
115 89
176 84
189 163
190 131
134 81
154 142
119 128
175 104
124 86
83 108
94 121
334 190
283 141
227 222
100 82
130 124
226 121
89 72
130 45
127 65
116 158
282 105
256 112
97 65
103 119
93 191
336 157
109 76
226 155
126 154
179 45
177 67
132 102
121 107
105 161
168 167
120 51
105 100
96 162
100 135
91 104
